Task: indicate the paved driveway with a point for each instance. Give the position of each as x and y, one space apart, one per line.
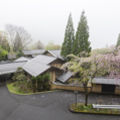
49 106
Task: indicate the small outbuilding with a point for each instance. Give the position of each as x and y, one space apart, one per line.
106 85
98 85
33 53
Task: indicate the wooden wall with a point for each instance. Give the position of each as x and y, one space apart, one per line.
52 76
67 87
57 63
117 90
95 88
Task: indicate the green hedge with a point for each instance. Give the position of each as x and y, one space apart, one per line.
25 83
3 54
41 82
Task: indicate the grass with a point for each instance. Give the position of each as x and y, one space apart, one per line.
81 108
15 90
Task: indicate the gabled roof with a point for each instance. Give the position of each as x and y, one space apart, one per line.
33 52
55 53
107 81
22 59
35 69
10 67
65 76
38 65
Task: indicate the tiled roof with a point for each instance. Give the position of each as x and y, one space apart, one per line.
106 81
55 53
65 76
22 59
38 65
10 67
33 52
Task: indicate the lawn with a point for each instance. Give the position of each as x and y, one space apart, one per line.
14 89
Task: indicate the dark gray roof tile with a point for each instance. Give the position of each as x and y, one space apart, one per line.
38 65
10 67
65 76
107 81
33 52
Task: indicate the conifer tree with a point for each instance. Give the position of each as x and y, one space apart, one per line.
81 43
68 38
118 41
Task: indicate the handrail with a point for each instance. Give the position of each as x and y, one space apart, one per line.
106 106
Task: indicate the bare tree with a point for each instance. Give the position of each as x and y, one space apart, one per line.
17 43
38 45
11 36
14 32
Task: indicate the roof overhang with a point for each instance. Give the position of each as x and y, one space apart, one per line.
106 81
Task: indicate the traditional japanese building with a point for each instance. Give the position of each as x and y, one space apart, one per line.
7 69
106 85
42 64
53 53
98 85
33 53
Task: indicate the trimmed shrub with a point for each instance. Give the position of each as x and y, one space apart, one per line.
41 82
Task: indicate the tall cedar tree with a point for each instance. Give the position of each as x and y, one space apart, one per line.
68 38
81 43
118 41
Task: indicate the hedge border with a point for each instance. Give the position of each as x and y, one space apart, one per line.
36 93
93 113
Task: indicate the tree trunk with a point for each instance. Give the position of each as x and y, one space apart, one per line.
36 86
86 99
86 94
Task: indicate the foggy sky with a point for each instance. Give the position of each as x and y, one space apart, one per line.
46 20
